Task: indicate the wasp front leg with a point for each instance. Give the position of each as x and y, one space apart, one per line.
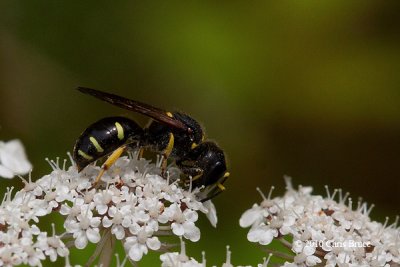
215 189
195 172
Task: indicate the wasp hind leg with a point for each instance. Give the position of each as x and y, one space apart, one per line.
109 162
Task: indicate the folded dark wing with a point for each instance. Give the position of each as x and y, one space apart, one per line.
136 106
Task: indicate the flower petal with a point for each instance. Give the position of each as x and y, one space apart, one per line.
192 232
13 157
118 231
212 213
81 241
5 172
249 217
93 235
153 243
177 229
135 253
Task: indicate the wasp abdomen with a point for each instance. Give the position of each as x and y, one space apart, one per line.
103 137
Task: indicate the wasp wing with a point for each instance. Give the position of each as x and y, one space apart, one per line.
136 106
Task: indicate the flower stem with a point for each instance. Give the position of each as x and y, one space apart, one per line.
285 243
279 254
107 251
106 238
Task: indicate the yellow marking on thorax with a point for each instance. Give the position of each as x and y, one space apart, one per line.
120 131
96 144
194 145
169 114
170 145
84 155
226 174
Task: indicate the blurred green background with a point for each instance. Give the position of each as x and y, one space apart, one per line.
304 88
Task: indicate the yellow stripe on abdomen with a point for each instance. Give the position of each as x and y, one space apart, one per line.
84 155
96 144
120 131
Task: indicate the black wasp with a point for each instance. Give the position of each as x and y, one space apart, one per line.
172 134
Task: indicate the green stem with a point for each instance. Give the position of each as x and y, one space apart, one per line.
106 238
279 254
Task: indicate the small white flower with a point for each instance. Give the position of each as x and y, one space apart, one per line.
138 245
102 199
52 246
117 217
305 253
262 234
73 211
84 227
31 255
173 259
183 222
13 160
252 216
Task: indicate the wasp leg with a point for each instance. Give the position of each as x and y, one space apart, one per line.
216 188
109 162
193 171
215 192
166 153
164 164
210 196
140 153
189 168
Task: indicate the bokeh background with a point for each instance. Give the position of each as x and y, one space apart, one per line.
310 89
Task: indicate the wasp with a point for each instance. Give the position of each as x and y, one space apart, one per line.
174 135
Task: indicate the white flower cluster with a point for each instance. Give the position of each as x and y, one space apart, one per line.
132 202
322 231
21 241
